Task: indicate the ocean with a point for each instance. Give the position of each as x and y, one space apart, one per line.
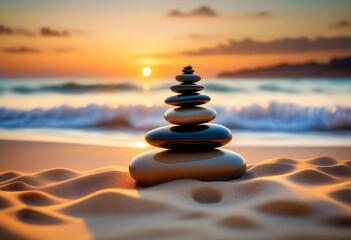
118 112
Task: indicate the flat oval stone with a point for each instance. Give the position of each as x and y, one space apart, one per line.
187 100
186 88
159 166
191 137
188 78
190 115
188 71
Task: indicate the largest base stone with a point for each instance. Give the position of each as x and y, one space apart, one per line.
159 166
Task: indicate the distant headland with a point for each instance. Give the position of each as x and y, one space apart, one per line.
335 68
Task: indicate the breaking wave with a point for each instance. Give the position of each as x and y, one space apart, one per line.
221 87
74 88
270 117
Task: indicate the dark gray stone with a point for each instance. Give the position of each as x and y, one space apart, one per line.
188 71
186 88
159 166
187 100
192 137
188 78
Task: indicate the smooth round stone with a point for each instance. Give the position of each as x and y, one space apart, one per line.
186 88
159 166
189 137
190 115
187 100
188 78
188 71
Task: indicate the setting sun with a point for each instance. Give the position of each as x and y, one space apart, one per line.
146 71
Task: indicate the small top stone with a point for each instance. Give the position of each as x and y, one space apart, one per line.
188 70
188 76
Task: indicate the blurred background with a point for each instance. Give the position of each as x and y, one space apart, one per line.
97 72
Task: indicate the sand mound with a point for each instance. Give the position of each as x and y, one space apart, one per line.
285 207
312 176
37 198
16 186
276 199
239 223
253 189
337 221
90 183
28 180
4 202
342 195
337 170
286 161
206 195
112 202
58 174
323 161
35 217
271 169
8 175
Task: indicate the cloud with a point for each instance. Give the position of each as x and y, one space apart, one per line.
262 14
48 32
20 50
198 36
203 11
341 24
43 32
65 50
28 50
280 46
4 30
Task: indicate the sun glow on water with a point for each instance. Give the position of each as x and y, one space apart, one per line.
140 144
146 71
146 86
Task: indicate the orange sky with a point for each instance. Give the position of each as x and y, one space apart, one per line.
118 38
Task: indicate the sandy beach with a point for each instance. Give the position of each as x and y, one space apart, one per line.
81 157
56 191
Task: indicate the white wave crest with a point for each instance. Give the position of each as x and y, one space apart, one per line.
270 117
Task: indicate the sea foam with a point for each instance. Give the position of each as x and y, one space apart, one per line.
273 116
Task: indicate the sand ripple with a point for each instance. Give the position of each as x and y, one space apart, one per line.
312 176
337 221
35 217
37 198
323 161
206 195
276 199
285 208
8 175
239 223
271 169
337 170
112 202
342 195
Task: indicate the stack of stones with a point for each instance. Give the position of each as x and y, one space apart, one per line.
192 142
